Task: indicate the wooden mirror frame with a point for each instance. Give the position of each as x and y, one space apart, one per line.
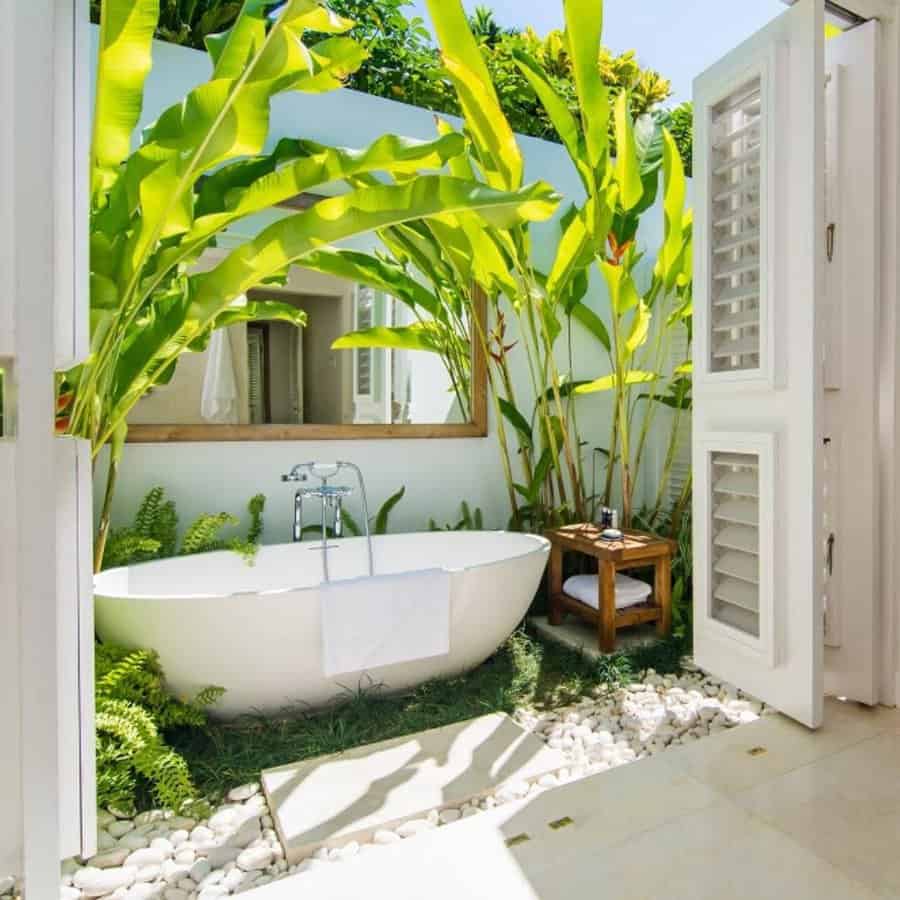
476 428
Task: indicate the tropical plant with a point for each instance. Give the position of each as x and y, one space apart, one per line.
153 534
403 64
449 264
196 172
681 124
378 524
134 710
471 520
188 22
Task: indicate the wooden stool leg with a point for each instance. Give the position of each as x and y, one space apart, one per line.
663 592
606 622
557 612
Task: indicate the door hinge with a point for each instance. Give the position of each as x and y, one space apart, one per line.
829 241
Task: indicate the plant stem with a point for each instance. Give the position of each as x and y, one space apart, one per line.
112 474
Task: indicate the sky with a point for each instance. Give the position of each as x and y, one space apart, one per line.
678 38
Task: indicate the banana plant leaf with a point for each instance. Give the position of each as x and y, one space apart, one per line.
496 143
584 28
420 336
378 273
609 382
123 63
364 210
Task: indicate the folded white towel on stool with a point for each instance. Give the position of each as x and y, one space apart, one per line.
629 591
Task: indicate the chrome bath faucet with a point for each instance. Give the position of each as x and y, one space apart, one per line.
331 498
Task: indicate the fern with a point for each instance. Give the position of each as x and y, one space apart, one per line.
133 711
255 507
154 533
150 536
248 547
124 547
204 534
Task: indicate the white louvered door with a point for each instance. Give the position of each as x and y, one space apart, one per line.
757 403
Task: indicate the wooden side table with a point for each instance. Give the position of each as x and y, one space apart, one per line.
636 550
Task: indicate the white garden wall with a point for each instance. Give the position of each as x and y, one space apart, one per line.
438 473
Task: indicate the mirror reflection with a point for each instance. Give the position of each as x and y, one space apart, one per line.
363 358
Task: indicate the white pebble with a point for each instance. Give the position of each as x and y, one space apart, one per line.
254 858
243 792
386 837
94 882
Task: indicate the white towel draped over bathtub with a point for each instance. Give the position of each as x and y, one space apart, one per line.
384 619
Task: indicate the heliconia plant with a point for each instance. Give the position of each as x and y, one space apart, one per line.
442 267
200 168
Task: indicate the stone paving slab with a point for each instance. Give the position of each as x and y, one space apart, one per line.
578 635
332 800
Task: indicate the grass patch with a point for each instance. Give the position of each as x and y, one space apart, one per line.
525 671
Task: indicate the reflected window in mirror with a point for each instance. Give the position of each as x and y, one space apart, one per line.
364 361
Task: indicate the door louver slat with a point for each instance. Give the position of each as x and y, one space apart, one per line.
735 148
735 564
734 321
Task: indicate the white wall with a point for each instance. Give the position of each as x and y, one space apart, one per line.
438 473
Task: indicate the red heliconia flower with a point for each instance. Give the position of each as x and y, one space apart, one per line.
617 251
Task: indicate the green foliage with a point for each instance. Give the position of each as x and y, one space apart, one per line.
404 64
157 519
525 672
205 534
189 22
378 525
153 534
471 520
681 126
676 525
134 711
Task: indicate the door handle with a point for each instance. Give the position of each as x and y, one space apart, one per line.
829 556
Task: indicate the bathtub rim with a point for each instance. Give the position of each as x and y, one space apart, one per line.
541 545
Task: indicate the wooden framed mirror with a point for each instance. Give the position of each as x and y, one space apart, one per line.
272 381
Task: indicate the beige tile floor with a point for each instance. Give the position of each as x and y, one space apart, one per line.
768 810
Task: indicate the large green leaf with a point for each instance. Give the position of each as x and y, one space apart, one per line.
420 336
640 328
375 272
593 323
383 514
247 187
628 170
623 294
228 117
498 149
584 29
608 382
675 190
361 211
123 63
558 112
517 420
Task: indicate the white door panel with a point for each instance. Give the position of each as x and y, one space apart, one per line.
758 178
850 363
46 632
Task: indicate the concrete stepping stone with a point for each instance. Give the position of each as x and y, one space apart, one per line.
332 800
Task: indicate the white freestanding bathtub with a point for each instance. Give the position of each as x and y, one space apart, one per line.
256 630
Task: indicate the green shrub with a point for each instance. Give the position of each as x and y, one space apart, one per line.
134 710
470 521
153 534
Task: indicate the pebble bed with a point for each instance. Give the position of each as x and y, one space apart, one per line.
157 855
